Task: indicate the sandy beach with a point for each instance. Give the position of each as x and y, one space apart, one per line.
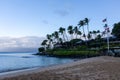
97 68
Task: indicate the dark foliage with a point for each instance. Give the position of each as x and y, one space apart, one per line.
41 49
116 30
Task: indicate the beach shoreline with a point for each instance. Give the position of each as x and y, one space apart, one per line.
102 68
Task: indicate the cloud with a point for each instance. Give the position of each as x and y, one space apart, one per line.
61 12
30 43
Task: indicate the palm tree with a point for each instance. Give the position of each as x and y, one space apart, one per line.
86 20
48 36
79 33
103 33
60 40
70 31
44 43
98 31
89 36
90 33
49 40
98 37
56 35
94 32
76 31
81 24
62 31
53 37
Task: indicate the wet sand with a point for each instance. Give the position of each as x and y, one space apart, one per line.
97 68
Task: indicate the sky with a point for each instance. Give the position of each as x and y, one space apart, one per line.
36 18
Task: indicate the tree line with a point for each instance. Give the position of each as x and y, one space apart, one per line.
71 32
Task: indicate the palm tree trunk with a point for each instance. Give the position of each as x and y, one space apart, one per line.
84 32
85 35
72 37
64 37
80 36
88 28
45 47
76 36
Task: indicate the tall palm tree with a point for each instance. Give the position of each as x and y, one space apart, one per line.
70 31
81 24
49 40
86 20
56 35
53 37
76 31
62 32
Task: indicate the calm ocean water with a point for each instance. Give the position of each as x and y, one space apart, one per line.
16 61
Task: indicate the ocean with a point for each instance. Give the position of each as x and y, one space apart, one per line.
18 61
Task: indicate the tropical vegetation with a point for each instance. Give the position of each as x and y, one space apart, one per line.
116 30
78 40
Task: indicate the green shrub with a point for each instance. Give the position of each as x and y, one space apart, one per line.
75 53
82 48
